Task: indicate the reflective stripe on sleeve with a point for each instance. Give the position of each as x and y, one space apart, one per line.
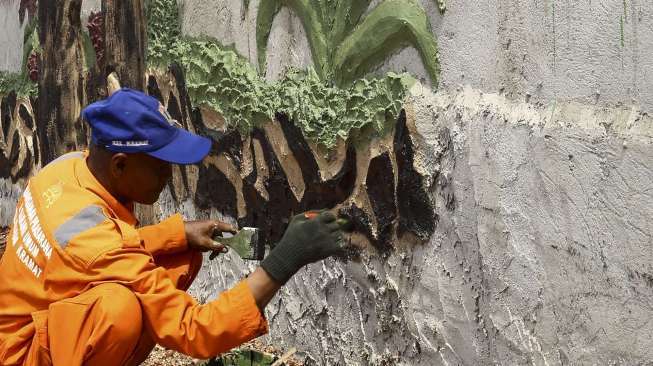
87 218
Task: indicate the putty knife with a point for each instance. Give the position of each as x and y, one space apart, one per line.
246 243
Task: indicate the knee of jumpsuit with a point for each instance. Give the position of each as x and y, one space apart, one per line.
100 326
121 311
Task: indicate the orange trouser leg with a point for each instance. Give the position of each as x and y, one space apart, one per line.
98 327
104 325
182 269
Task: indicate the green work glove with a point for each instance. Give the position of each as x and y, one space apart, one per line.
306 240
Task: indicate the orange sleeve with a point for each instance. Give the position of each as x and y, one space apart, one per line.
166 237
173 318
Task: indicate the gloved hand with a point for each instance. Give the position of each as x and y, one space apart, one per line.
306 240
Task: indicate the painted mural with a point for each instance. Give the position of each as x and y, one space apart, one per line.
329 136
502 206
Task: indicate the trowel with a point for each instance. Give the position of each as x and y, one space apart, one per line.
246 243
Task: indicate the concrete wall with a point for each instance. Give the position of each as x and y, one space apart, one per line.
537 149
542 254
11 37
535 51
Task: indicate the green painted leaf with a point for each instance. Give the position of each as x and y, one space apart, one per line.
18 83
220 79
267 10
311 21
89 51
347 16
392 25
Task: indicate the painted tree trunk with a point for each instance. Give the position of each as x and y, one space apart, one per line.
125 36
62 79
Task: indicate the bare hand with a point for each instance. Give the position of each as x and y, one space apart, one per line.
199 235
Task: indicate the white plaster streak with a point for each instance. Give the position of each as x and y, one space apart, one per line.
425 339
360 314
452 350
443 358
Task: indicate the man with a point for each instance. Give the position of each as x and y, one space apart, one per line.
79 284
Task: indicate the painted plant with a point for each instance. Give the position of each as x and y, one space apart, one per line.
346 45
220 79
304 106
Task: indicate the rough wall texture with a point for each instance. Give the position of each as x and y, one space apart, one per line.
593 52
542 250
537 154
11 38
541 254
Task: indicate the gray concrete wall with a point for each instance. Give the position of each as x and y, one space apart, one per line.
11 32
542 253
536 51
11 36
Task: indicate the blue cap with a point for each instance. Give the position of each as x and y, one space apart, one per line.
130 121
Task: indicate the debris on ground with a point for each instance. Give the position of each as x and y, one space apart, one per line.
254 353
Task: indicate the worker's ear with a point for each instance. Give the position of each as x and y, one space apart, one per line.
118 165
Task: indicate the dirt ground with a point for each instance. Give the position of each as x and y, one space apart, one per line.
163 357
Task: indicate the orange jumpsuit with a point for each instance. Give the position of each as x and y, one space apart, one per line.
79 284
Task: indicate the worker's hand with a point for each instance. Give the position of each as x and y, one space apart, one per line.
305 241
200 234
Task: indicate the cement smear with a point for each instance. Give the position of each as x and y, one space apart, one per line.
541 254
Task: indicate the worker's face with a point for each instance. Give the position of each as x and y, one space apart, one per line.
140 177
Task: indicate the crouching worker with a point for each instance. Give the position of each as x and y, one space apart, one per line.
80 284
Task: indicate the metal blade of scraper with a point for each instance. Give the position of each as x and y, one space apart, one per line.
245 243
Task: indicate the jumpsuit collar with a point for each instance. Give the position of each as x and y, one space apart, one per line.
88 181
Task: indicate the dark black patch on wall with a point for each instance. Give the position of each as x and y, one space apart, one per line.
27 118
257 209
230 144
35 143
380 190
215 190
300 150
318 194
173 108
334 191
359 221
5 167
416 213
282 203
7 110
15 148
254 202
184 98
24 170
153 88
